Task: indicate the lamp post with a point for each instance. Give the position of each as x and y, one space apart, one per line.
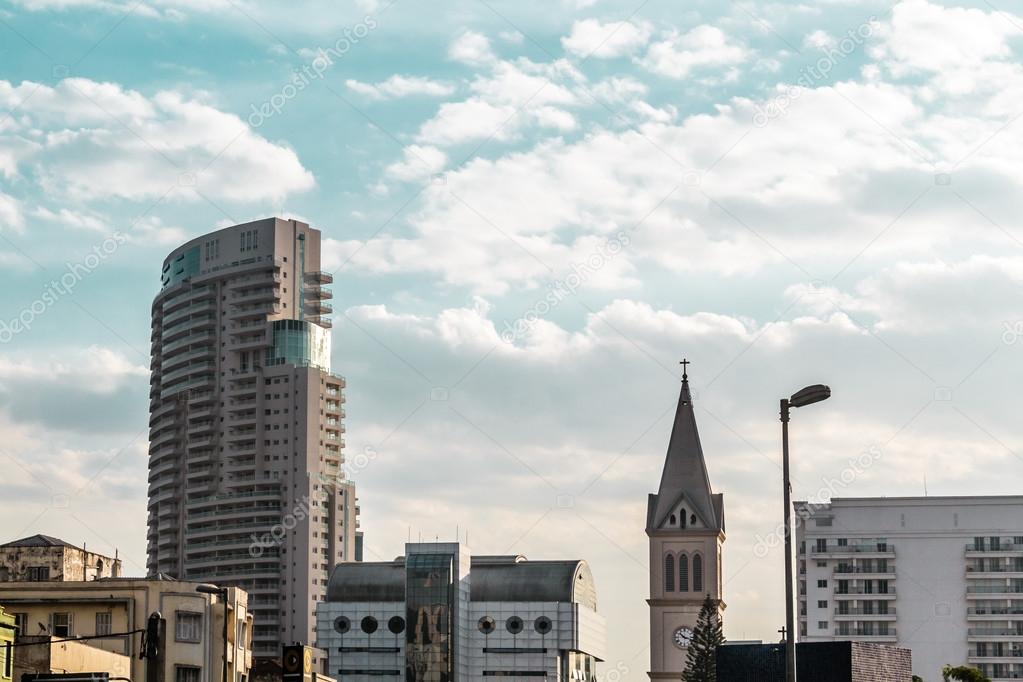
222 592
807 396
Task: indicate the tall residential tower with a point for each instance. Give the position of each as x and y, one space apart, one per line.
246 483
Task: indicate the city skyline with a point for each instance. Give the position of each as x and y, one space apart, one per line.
530 218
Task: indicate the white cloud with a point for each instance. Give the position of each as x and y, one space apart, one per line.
398 86
510 99
419 162
678 54
94 140
590 37
924 297
94 369
11 216
471 48
818 39
78 220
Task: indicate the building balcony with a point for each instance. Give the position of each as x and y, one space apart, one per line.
254 311
860 593
185 386
860 614
256 295
988 548
166 436
850 551
201 442
982 633
993 591
187 327
867 636
165 409
201 307
197 398
995 612
319 276
174 362
318 308
251 342
199 337
318 293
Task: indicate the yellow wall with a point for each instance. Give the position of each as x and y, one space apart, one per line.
7 651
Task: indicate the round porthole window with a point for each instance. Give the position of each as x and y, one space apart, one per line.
486 625
369 625
396 625
514 625
543 625
342 625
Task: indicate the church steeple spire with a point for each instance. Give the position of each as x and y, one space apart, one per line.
685 470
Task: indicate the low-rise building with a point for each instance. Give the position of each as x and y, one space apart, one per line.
440 613
44 558
109 614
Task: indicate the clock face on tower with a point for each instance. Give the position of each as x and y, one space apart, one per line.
683 638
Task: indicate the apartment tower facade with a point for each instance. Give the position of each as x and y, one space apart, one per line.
246 479
942 576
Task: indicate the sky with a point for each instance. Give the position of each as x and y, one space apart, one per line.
533 212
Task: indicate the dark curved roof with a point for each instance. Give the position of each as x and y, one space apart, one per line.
567 581
507 579
367 581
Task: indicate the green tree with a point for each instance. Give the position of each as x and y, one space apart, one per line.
701 661
962 673
917 678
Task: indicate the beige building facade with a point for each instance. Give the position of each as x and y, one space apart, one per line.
46 558
104 610
686 531
40 654
246 477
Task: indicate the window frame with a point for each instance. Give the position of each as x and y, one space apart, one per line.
183 617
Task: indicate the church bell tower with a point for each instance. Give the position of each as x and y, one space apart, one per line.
686 526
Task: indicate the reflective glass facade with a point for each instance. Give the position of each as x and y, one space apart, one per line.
299 343
429 602
182 267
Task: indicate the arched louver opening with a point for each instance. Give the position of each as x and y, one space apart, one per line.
669 573
697 573
683 573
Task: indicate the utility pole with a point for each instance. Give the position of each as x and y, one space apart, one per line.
154 650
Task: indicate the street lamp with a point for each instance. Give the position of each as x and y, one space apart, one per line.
222 591
802 398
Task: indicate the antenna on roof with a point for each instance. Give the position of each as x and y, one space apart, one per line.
925 485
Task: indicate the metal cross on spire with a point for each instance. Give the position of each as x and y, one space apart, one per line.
685 366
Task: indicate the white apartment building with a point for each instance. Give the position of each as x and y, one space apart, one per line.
942 576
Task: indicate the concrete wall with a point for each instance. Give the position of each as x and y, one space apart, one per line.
64 563
36 654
